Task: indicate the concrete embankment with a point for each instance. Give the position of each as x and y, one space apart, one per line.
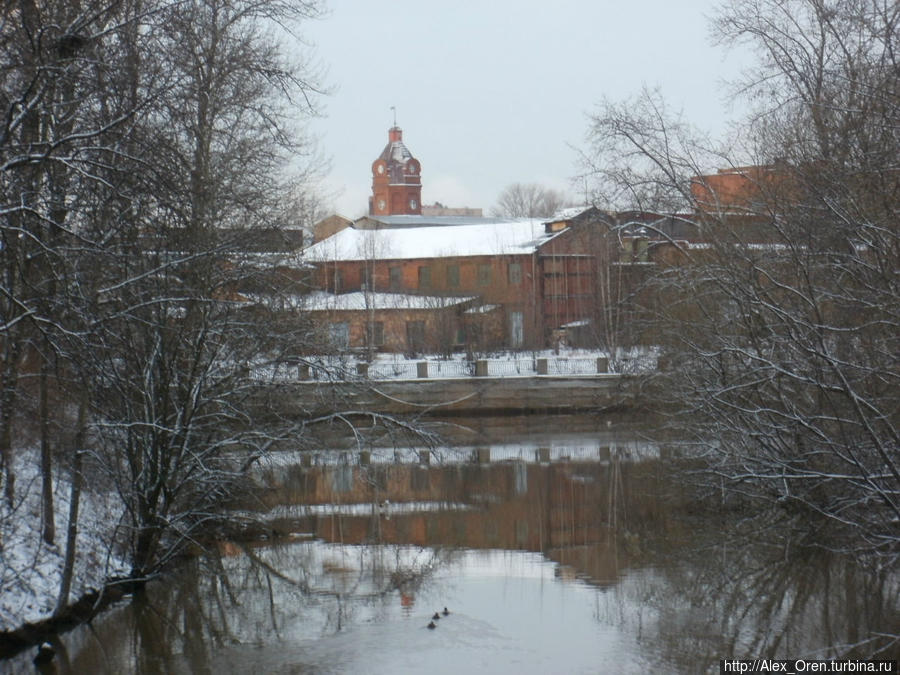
481 395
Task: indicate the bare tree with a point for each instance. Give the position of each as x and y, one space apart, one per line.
52 85
528 200
144 146
784 324
178 352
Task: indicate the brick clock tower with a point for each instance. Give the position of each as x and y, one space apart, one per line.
396 180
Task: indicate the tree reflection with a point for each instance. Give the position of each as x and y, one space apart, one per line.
258 596
750 599
685 587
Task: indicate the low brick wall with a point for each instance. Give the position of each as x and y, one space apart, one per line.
482 395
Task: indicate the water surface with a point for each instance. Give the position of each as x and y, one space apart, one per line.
565 550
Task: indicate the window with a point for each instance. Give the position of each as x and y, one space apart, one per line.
514 273
424 277
396 277
452 276
339 332
484 275
553 266
520 473
474 334
338 280
516 329
415 335
367 277
635 250
342 478
419 478
378 333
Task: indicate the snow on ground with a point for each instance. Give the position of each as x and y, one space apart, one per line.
603 449
384 509
30 571
566 362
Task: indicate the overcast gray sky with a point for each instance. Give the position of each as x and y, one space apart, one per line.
493 92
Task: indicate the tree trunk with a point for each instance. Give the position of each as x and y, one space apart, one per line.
7 401
74 500
48 525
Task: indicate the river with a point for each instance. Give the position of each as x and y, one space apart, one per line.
557 545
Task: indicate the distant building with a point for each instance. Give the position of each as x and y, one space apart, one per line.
435 279
522 279
742 199
740 189
392 322
438 209
329 226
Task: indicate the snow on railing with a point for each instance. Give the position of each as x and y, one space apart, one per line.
510 367
605 447
404 370
577 366
343 368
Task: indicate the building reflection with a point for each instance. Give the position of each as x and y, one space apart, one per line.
588 514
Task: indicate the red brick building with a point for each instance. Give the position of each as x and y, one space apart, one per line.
527 284
391 322
526 278
396 179
741 189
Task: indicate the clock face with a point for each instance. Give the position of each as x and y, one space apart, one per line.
413 203
412 167
380 168
381 205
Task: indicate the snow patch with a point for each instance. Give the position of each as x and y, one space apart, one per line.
30 570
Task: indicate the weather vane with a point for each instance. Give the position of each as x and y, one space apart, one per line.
394 108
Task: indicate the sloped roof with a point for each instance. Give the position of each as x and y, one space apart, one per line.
395 151
371 222
484 237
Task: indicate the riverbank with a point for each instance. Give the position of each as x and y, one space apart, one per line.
460 396
31 569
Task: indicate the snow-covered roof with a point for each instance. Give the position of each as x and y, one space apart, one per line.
483 237
567 213
416 220
359 300
481 309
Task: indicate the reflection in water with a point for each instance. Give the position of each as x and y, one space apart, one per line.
754 600
547 564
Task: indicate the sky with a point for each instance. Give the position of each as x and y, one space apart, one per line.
494 92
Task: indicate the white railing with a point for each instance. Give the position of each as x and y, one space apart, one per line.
348 368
